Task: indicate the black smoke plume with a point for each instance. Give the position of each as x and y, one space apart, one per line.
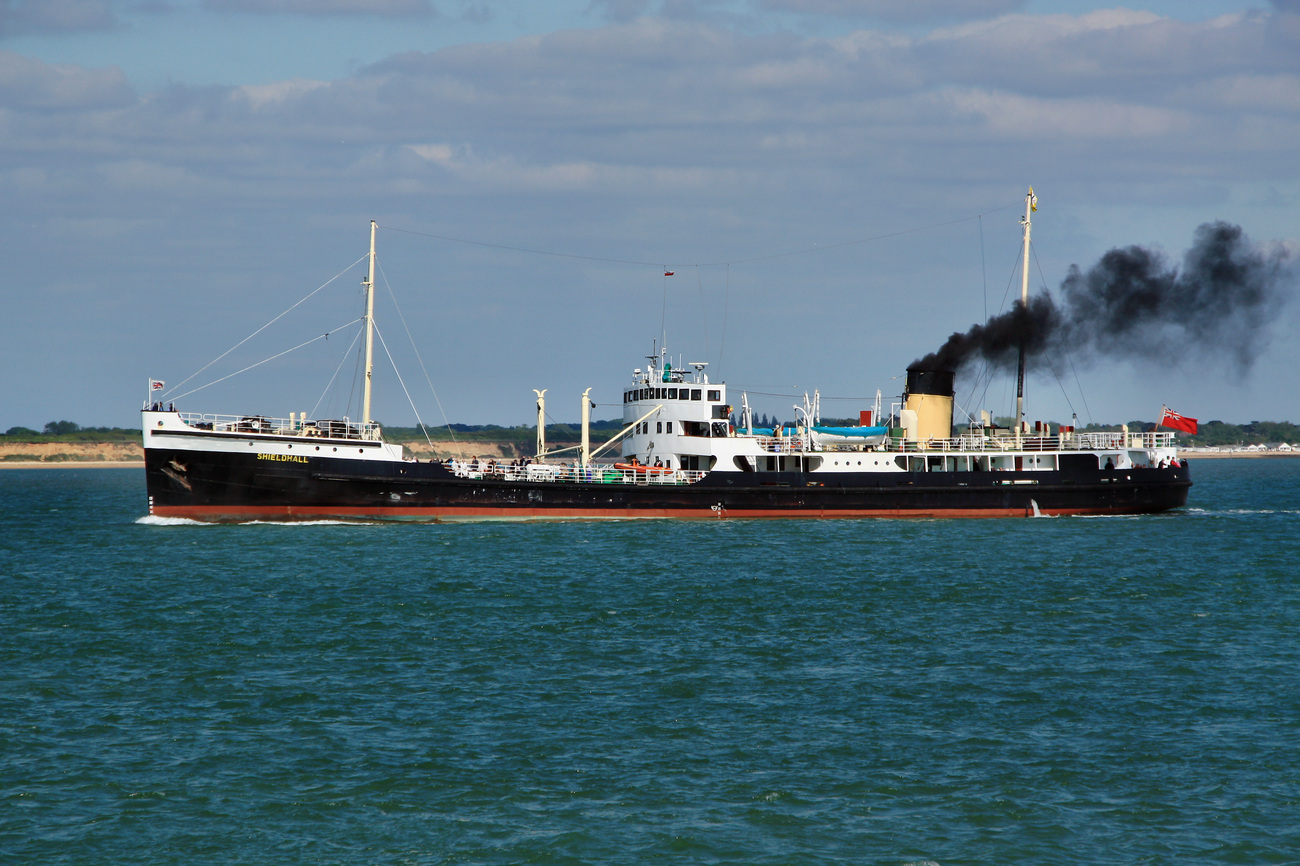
1133 305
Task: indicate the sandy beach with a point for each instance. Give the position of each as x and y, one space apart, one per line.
44 455
72 464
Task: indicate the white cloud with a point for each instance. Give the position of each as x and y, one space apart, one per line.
380 8
576 108
1008 116
1025 31
140 176
1271 94
896 11
263 95
621 10
442 154
675 134
31 84
508 174
798 72
659 105
54 16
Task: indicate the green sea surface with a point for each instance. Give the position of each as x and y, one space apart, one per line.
1058 690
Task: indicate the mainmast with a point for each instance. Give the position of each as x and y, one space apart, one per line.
370 331
1031 205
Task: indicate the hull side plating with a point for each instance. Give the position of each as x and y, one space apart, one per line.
224 486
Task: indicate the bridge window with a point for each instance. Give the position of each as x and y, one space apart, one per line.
715 396
695 393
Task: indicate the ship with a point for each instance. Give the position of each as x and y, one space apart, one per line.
683 452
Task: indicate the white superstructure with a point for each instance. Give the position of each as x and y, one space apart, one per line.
681 420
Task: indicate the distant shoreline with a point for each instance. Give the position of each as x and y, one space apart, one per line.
72 464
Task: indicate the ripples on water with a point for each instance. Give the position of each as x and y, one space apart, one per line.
1111 690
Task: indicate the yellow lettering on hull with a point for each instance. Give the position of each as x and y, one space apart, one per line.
291 458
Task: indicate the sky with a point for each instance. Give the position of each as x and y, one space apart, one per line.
835 185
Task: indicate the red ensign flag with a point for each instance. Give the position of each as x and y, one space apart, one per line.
1171 419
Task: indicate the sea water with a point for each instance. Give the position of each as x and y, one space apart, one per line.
1069 690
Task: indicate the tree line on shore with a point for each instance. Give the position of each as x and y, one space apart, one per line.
1210 434
69 431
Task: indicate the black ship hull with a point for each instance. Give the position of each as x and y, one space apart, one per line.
234 487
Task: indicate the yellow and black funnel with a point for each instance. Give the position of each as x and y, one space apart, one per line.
929 397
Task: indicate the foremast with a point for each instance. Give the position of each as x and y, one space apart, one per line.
370 332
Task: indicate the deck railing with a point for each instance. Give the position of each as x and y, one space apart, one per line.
1067 442
593 473
978 442
296 427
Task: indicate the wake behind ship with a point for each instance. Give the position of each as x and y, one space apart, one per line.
683 454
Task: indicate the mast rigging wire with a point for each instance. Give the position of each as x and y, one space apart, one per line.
726 263
263 361
418 357
167 395
330 383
